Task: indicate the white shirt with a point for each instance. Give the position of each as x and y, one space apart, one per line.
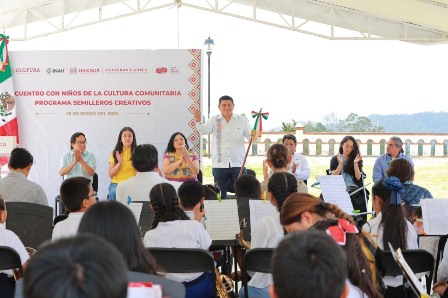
179 234
68 227
375 228
228 139
190 214
139 186
10 239
267 233
303 170
354 291
442 272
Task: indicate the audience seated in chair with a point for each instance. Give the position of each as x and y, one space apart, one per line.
172 228
191 196
390 225
248 186
145 162
115 223
322 270
268 231
77 195
15 187
84 267
359 275
9 239
403 170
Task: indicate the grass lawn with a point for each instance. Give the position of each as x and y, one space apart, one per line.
431 173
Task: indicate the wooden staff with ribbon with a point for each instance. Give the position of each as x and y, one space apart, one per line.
256 133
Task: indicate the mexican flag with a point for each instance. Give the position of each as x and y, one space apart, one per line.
8 117
258 127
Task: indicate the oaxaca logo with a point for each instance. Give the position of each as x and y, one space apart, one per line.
161 70
73 70
54 70
7 103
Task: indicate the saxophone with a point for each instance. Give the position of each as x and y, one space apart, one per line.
243 242
224 285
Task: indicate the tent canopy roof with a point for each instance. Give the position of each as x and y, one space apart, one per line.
417 21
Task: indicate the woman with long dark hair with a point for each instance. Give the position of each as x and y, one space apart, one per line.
390 225
348 163
115 222
120 165
180 163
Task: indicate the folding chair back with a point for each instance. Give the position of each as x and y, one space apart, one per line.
258 260
32 223
185 260
146 218
419 260
439 257
10 259
170 288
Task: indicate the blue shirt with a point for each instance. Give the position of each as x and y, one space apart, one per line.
77 170
382 163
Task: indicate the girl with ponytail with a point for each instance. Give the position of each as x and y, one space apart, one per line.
173 228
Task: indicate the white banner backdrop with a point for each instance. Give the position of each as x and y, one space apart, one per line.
98 93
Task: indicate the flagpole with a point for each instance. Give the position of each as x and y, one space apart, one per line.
248 147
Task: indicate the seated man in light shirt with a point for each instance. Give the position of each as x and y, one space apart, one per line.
78 162
145 162
298 165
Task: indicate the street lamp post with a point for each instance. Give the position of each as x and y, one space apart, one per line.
209 43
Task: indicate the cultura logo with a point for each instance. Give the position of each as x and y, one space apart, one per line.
161 70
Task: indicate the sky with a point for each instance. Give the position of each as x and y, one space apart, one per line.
288 74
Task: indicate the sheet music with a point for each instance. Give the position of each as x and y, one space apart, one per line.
136 209
334 191
259 209
435 213
222 221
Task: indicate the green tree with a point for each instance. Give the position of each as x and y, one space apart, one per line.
331 122
355 123
289 126
318 127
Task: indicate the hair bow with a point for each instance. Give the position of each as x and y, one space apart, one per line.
394 185
338 233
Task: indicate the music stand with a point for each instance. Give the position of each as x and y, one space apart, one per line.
408 274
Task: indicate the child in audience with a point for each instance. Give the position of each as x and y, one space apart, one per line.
301 211
173 228
390 226
248 186
359 277
268 231
191 196
83 267
308 265
77 195
115 223
9 239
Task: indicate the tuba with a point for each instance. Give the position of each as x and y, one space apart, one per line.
243 242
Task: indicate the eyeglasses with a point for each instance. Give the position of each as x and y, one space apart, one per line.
93 194
81 143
